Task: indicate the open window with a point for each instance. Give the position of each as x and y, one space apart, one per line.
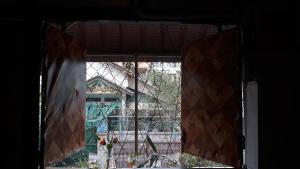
163 94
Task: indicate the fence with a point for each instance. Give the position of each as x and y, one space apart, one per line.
167 139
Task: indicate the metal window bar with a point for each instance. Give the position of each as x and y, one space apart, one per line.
136 105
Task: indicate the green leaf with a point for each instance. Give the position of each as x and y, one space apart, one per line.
149 141
109 146
153 158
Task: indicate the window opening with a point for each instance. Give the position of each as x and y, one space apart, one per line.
110 110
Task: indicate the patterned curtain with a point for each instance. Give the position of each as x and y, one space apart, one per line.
65 116
211 99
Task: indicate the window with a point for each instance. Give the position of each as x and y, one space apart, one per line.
137 103
158 110
158 113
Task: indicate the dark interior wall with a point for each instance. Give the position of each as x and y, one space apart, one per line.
19 72
271 56
11 110
11 2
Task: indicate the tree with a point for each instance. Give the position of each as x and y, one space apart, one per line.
169 86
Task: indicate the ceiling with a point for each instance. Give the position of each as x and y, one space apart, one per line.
142 38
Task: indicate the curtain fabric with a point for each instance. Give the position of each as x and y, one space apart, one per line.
65 101
211 98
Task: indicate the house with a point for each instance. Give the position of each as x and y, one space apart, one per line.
110 107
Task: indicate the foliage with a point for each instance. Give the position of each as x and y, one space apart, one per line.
168 86
93 165
78 159
190 161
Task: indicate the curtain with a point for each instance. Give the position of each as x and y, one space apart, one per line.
65 101
211 98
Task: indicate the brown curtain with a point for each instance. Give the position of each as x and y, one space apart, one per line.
65 103
211 99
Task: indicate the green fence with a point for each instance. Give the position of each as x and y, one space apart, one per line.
96 115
